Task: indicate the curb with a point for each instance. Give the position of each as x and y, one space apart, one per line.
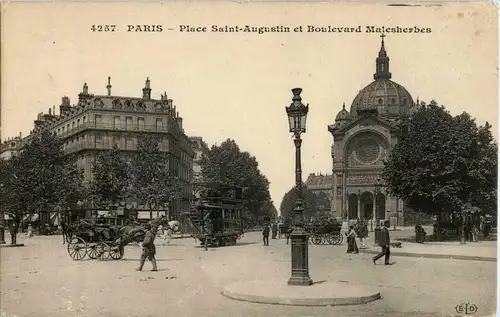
324 300
302 301
182 237
11 245
437 256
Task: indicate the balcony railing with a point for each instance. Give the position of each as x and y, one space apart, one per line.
113 127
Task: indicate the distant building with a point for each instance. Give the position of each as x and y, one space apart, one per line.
200 148
10 147
321 184
97 122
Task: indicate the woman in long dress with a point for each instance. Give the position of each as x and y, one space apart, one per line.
352 247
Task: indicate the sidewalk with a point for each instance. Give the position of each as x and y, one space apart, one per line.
479 251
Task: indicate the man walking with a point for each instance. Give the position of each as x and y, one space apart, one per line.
64 229
13 232
148 249
265 235
384 243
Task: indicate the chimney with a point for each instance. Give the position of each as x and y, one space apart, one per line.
65 106
85 94
179 121
38 121
109 86
146 91
164 97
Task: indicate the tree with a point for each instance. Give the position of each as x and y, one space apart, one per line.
225 163
111 178
312 203
443 163
42 177
152 181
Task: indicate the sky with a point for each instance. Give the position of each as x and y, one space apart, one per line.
236 85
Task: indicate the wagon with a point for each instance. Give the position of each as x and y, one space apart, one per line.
97 241
325 231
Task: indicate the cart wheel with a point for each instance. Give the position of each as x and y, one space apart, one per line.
338 238
93 251
330 238
116 252
103 251
77 248
316 239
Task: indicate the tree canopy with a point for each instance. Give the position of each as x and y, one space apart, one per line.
226 163
314 205
111 178
443 162
41 178
152 182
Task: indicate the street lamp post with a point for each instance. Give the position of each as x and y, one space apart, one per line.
2 219
377 191
297 114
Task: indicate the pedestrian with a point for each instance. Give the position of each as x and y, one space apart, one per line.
148 249
265 235
30 231
64 229
275 230
475 232
384 242
13 232
352 247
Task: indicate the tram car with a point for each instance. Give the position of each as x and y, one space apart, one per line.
216 213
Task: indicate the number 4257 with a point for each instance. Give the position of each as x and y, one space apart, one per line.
103 28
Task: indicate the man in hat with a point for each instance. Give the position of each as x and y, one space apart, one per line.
148 249
384 242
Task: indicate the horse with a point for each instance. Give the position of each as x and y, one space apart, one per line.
166 233
134 233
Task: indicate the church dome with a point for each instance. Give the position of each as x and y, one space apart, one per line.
343 115
386 96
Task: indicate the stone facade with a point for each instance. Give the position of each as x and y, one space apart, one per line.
98 122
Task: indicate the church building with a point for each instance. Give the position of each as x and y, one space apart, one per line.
362 139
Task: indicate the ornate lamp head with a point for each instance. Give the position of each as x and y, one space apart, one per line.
297 113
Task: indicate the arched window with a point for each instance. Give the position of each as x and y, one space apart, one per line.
380 101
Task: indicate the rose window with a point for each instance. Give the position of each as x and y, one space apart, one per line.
367 150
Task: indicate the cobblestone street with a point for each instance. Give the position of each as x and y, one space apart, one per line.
41 280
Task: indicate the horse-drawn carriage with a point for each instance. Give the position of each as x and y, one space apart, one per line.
216 213
94 239
106 237
325 230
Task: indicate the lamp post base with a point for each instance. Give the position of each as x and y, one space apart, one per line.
300 259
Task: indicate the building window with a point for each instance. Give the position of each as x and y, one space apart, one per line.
98 120
128 123
140 124
116 122
130 143
159 124
78 124
62 129
116 141
73 125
